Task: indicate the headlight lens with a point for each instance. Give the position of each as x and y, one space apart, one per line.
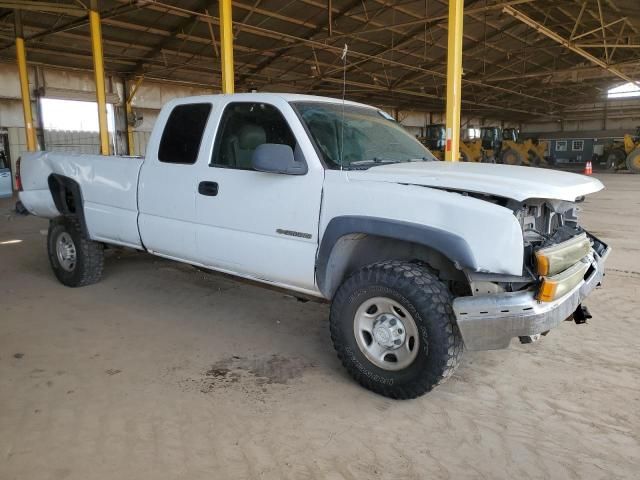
557 258
561 284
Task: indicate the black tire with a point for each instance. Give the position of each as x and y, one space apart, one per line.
512 157
615 159
427 300
89 255
534 160
633 161
21 209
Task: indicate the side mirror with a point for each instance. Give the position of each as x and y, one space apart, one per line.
277 158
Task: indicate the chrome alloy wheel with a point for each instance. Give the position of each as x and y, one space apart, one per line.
386 333
66 251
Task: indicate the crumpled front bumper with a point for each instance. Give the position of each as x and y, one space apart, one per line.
489 322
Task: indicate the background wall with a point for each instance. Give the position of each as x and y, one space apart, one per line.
608 119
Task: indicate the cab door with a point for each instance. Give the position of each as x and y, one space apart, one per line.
258 224
169 180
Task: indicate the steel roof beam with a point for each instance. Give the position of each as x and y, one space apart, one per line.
563 41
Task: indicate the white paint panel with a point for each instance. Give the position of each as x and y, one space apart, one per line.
492 232
237 229
167 209
509 181
39 202
108 185
112 225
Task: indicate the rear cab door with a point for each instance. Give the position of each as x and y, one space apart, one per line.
169 177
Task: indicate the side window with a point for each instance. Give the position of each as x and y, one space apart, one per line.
243 127
180 142
577 145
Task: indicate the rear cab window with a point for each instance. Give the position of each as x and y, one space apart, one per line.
182 135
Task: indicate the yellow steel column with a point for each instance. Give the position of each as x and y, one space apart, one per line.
454 80
23 73
98 68
226 42
129 111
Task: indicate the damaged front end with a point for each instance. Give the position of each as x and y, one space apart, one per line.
562 264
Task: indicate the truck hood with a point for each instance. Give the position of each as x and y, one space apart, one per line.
509 181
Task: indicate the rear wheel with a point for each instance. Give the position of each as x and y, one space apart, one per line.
76 261
393 328
512 157
633 161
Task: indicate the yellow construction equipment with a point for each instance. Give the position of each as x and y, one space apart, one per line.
471 150
516 151
625 154
495 145
435 141
506 146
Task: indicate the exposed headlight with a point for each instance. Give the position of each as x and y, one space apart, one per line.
557 258
561 284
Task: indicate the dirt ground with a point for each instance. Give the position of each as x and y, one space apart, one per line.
163 372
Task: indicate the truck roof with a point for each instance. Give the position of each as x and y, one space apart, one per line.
266 96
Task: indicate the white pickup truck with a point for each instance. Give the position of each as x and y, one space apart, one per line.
336 201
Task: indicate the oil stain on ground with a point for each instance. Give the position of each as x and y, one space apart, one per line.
260 372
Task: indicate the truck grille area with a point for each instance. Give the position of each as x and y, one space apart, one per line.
544 225
561 234
541 221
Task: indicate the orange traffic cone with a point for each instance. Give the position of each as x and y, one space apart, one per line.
588 169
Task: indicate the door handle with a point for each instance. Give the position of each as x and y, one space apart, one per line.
210 189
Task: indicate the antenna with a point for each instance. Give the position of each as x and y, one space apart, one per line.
344 90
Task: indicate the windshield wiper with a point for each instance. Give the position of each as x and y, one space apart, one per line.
366 164
374 160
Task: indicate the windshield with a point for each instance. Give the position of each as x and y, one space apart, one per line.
487 134
435 132
370 136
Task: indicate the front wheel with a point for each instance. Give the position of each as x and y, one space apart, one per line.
512 157
394 330
633 161
76 261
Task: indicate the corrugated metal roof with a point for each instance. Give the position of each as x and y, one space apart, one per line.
397 50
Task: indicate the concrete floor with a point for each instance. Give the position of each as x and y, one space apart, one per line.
164 372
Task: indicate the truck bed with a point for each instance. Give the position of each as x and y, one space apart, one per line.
108 185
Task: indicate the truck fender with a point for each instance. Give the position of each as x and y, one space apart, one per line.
67 197
450 245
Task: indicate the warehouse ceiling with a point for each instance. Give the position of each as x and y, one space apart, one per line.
522 58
